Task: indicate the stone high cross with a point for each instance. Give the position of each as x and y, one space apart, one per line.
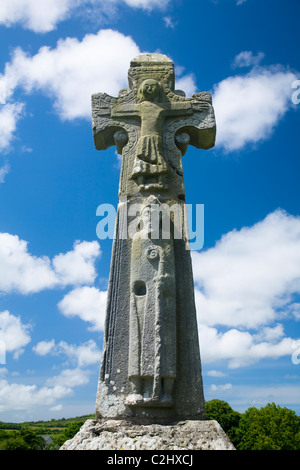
151 368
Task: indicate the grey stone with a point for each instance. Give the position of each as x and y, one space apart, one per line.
122 435
151 368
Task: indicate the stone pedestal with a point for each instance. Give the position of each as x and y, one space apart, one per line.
123 435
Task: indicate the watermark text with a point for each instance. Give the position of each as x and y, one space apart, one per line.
177 221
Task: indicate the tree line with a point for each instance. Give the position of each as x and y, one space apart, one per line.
269 428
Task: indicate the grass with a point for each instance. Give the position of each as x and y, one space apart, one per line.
51 427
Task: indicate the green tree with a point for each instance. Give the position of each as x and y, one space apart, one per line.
15 443
228 419
57 441
72 429
4 435
32 439
269 428
26 439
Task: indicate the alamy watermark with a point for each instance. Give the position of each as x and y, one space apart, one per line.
296 94
296 353
2 352
180 221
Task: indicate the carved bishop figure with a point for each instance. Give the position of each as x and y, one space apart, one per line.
151 368
152 317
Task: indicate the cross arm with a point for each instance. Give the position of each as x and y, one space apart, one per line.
105 132
201 128
124 110
197 127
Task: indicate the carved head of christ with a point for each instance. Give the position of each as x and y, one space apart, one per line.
149 90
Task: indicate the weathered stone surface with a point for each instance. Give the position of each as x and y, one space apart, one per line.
151 368
122 435
152 125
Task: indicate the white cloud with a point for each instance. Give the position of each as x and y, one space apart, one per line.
3 172
169 22
249 281
147 4
248 59
23 272
72 71
240 348
88 303
222 387
44 347
85 354
10 114
249 107
215 373
43 15
16 396
72 377
69 74
247 395
250 276
241 397
77 266
58 407
187 84
24 397
14 335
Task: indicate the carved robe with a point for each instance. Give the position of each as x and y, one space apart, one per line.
152 331
149 155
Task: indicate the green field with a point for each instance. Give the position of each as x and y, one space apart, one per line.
39 435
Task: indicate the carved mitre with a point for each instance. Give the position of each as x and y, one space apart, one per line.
151 66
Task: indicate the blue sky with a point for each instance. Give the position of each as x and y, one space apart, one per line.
53 268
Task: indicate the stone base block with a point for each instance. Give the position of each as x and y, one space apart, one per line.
123 435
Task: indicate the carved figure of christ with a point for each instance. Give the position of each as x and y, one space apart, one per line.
149 158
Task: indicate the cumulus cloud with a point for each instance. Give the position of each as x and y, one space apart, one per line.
72 377
44 15
215 373
40 17
87 303
69 74
169 22
85 354
25 273
14 335
44 347
242 397
10 113
223 387
244 286
187 83
72 71
76 359
147 4
240 348
248 107
77 266
251 274
248 59
3 172
17 396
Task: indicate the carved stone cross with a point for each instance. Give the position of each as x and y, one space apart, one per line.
151 368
